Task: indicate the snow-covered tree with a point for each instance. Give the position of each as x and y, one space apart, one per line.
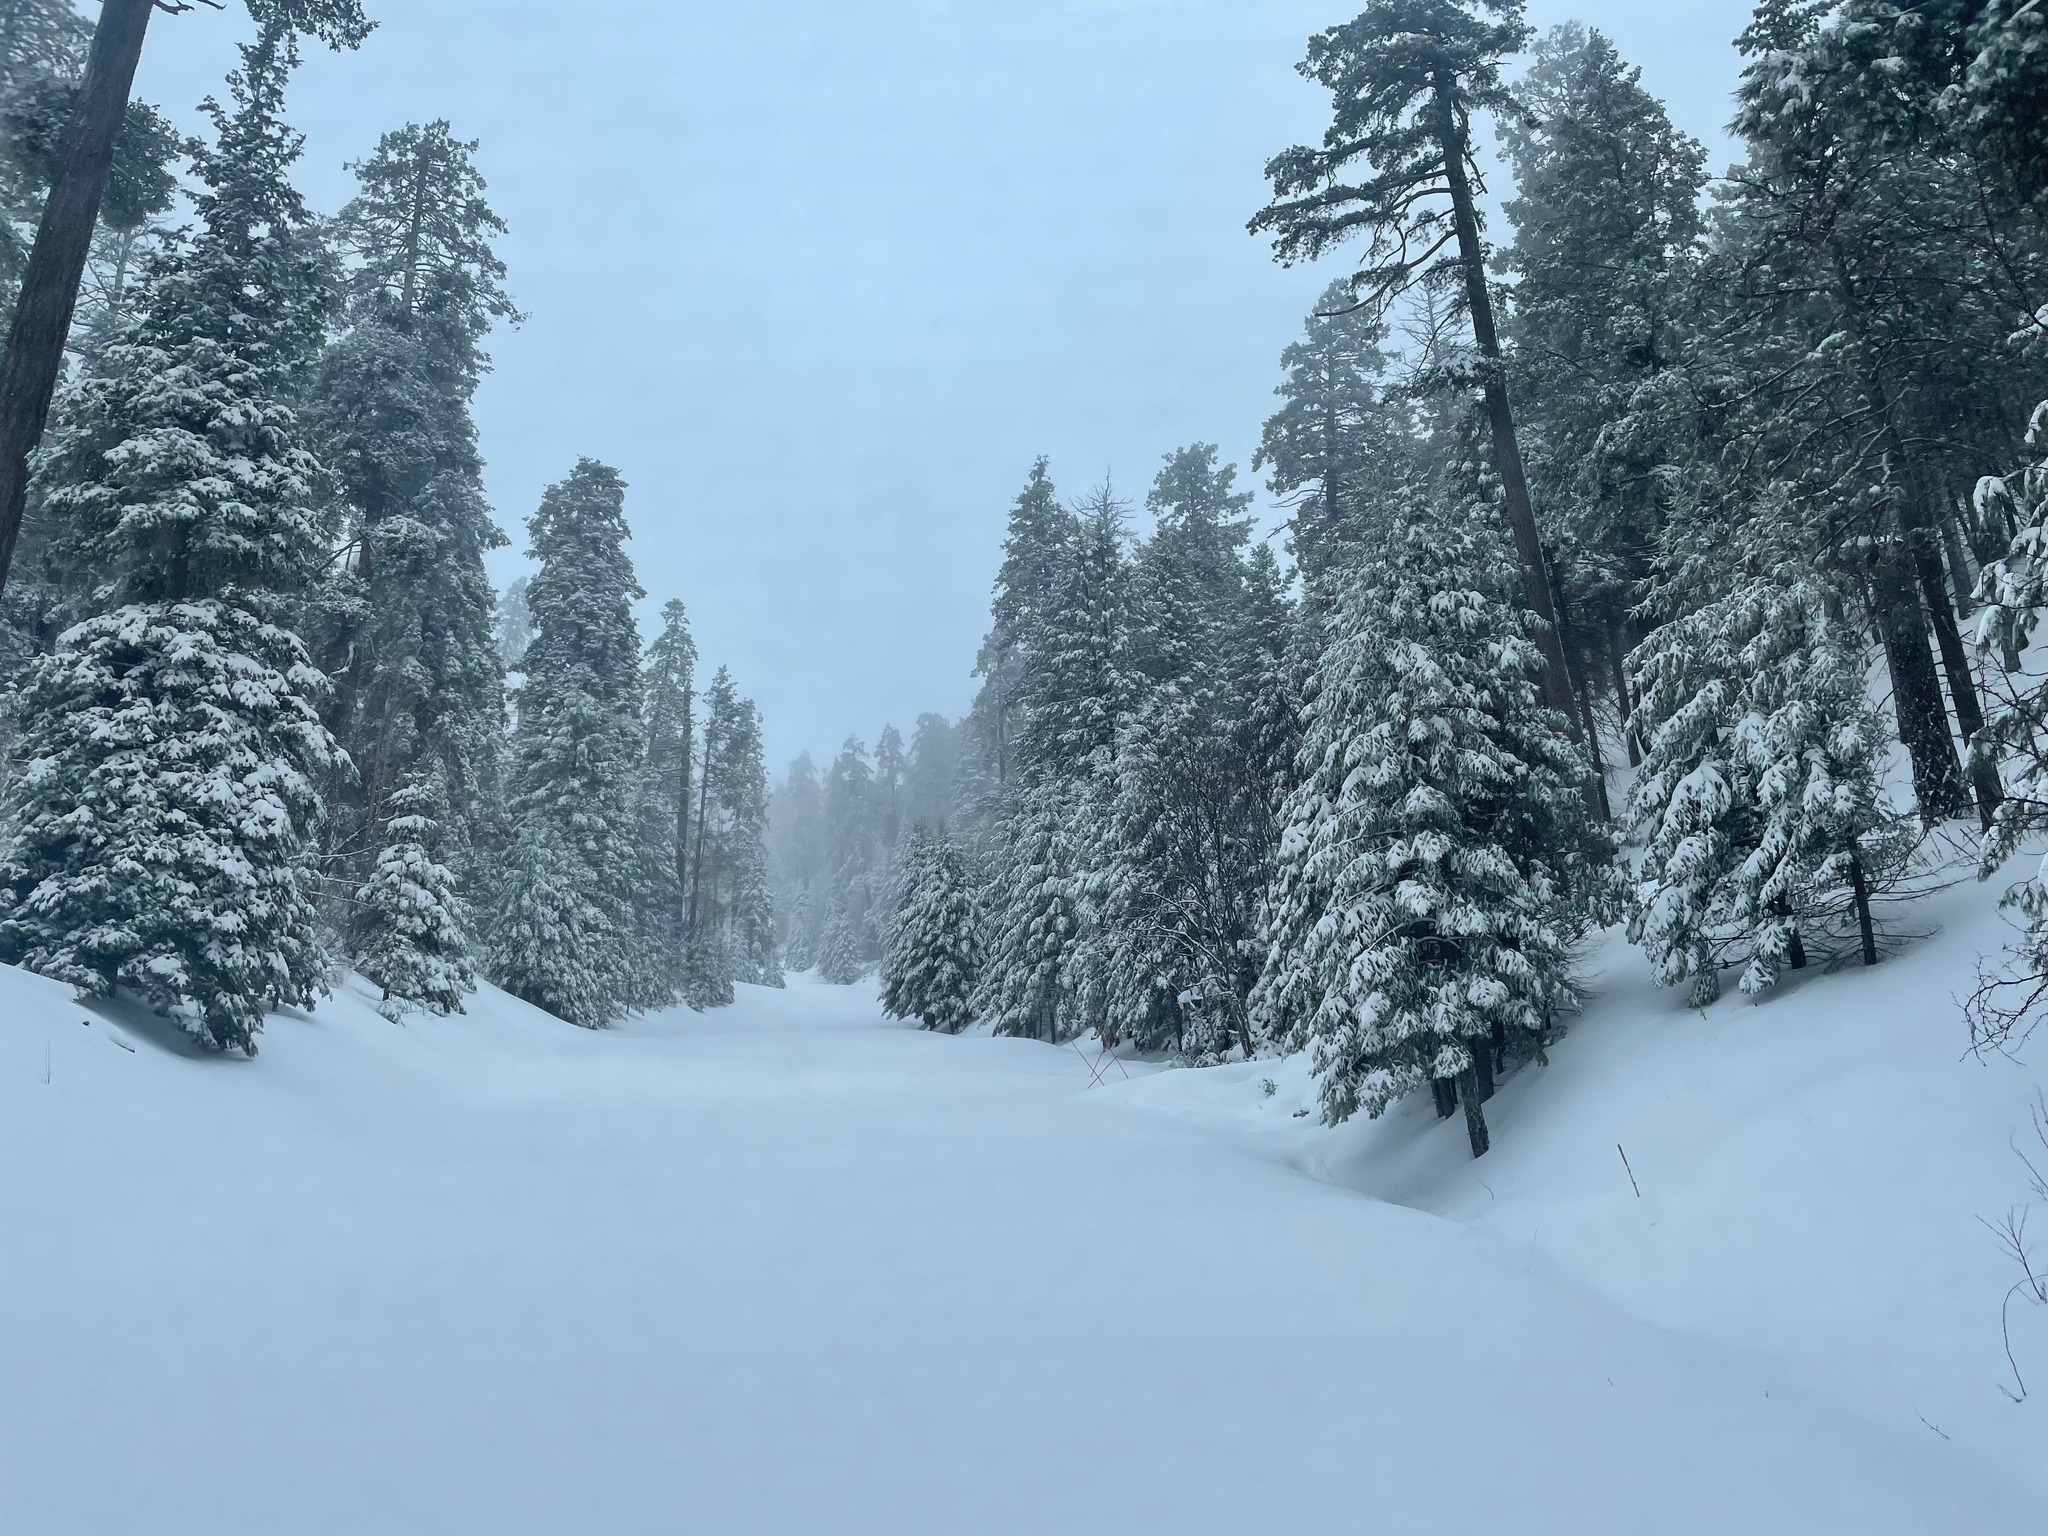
933 952
1437 867
2014 590
408 612
853 847
414 943
1760 799
1030 975
561 936
665 803
161 837
797 951
730 915
840 960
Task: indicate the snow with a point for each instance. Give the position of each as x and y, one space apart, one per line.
790 1267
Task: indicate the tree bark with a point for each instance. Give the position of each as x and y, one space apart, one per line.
1955 664
1960 580
1622 700
1500 416
1444 1090
1861 892
1482 1067
49 287
1916 692
1475 1117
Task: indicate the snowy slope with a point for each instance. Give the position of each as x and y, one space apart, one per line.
788 1268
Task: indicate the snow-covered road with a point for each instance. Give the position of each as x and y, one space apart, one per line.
786 1268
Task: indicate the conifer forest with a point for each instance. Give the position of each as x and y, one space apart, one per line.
1625 621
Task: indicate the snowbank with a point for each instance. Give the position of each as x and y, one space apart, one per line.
787 1267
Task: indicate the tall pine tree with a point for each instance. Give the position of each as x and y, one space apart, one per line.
162 835
562 935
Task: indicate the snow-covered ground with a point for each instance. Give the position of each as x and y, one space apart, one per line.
790 1268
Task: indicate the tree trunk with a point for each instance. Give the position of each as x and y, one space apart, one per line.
1500 416
1621 699
1959 576
683 808
1500 1046
1475 1117
1482 1067
1445 1091
703 804
1916 693
1795 952
49 287
1962 687
1861 892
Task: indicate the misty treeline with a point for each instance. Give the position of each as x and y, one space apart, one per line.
258 725
1724 480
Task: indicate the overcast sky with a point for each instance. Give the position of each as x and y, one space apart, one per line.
822 277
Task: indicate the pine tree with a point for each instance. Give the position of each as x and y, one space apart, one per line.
562 934
2006 1005
933 952
797 951
1608 242
409 635
853 857
1760 797
1338 450
1040 532
665 803
796 822
1406 77
730 910
162 836
415 944
839 956
1437 868
1031 976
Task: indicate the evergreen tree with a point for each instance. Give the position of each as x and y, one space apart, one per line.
796 821
1406 78
562 935
514 625
409 635
853 861
665 802
415 944
890 766
933 952
1437 868
931 781
839 955
731 915
1034 548
1608 237
1760 798
2006 1005
797 948
1338 450
162 836
1031 979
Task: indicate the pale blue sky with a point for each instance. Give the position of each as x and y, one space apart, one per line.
821 277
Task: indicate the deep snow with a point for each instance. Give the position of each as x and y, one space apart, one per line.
788 1267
